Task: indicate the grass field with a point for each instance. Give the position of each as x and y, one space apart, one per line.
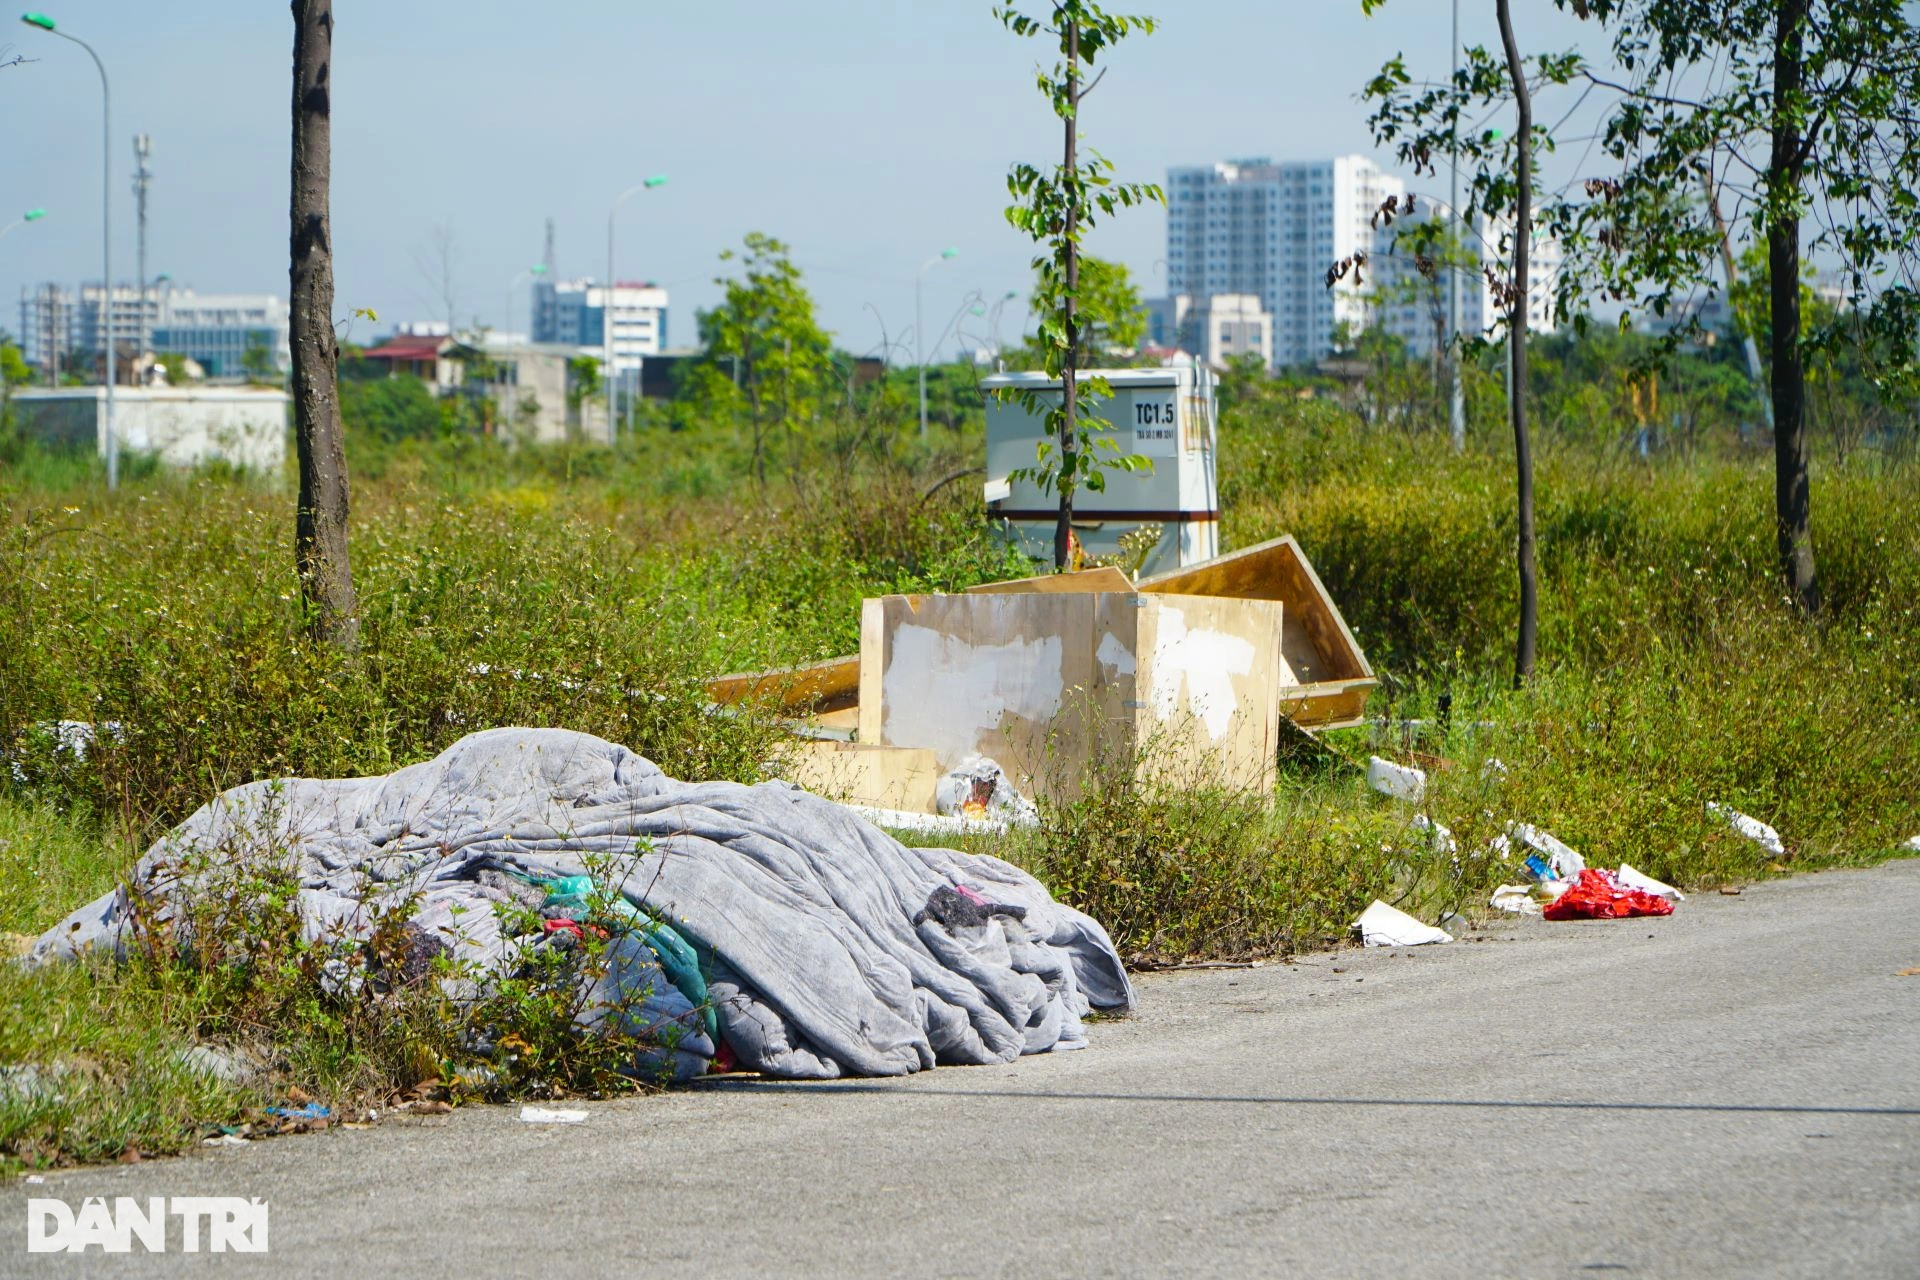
545 587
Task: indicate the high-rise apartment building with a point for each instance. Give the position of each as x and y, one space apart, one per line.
1272 231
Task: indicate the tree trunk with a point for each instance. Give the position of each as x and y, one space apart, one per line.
320 526
1792 489
1523 649
1069 390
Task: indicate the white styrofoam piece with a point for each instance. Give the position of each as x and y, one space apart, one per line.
1515 899
1402 782
1383 926
1751 828
1647 884
1439 837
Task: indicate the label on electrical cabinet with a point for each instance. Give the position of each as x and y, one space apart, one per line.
1156 423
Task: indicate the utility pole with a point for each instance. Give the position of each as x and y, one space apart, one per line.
46 24
142 179
1457 400
1733 280
547 261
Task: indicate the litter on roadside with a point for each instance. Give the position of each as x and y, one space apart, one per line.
978 788
312 1111
225 1140
1401 781
1647 884
1913 844
1515 899
1751 828
1439 837
1560 858
1599 895
1383 926
545 1115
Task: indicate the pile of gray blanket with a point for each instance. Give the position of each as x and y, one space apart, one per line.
826 947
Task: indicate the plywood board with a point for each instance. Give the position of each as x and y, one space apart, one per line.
1334 704
1326 675
1044 684
1279 570
1204 704
830 684
1004 676
1103 578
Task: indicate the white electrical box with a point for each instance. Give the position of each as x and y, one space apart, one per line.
1165 416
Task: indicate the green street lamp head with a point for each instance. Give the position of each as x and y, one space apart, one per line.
657 180
949 253
538 268
39 20
33 215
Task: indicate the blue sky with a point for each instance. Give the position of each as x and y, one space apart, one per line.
869 135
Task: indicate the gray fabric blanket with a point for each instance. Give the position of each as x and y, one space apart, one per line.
803 913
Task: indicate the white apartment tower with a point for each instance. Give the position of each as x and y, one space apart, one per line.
1272 231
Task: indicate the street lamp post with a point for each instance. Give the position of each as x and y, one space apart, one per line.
919 341
993 322
606 310
45 23
31 215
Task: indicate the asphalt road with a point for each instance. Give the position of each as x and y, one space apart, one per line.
1734 1091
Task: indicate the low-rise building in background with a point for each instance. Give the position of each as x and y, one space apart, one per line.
182 426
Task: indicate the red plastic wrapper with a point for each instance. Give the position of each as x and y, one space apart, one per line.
1598 895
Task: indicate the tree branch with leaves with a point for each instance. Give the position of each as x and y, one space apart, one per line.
1055 206
1425 123
1794 124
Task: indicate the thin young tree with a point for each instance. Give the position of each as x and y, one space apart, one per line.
1502 186
320 524
1056 208
1517 296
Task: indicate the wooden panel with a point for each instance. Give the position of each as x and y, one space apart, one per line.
1318 645
827 685
1335 704
1002 675
1104 578
860 773
873 665
1206 697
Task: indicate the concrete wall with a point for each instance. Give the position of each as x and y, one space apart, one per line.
185 426
535 406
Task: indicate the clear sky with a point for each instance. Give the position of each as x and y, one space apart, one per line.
868 134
